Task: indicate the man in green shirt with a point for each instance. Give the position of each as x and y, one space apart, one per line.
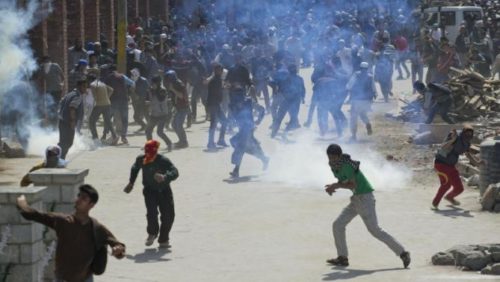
362 202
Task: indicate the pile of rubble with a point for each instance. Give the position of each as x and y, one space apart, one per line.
484 258
490 200
473 97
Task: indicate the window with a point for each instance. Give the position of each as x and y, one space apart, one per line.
448 18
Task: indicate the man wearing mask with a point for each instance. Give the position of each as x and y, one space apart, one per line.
157 173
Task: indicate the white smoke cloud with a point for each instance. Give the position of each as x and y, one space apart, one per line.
16 60
41 138
304 164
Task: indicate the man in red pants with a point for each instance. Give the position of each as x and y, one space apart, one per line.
445 161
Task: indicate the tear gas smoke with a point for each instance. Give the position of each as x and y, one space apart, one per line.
304 164
19 100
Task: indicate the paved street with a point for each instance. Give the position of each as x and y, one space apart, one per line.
276 225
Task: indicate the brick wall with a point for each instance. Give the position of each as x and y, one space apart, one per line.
86 20
92 22
107 20
158 8
76 23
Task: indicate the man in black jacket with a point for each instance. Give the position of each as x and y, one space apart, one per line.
157 173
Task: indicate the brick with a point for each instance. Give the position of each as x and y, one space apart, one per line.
25 234
10 254
49 235
4 198
69 193
52 194
9 214
31 253
32 194
48 272
24 273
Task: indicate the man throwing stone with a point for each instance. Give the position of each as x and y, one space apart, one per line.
362 203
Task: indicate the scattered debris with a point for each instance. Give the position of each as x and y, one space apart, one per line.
484 258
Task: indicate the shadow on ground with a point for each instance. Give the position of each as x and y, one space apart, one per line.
345 273
235 180
454 212
150 255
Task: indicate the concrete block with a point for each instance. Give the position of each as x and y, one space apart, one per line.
24 273
49 235
48 271
24 234
58 176
52 194
32 194
69 193
10 254
4 198
488 199
31 253
9 214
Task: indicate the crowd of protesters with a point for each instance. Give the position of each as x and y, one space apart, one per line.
222 58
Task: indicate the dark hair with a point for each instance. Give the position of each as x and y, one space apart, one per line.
90 191
334 149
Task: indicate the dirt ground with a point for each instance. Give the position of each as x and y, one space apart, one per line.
276 225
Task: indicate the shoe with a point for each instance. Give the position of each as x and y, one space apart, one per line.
434 207
211 145
340 261
452 201
164 245
307 124
399 78
352 139
222 143
181 145
405 257
114 141
124 140
234 174
369 130
150 240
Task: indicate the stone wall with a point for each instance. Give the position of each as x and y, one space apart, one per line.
22 249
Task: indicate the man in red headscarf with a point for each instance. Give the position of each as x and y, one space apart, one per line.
157 173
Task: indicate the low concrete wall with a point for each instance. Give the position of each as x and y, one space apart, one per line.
21 242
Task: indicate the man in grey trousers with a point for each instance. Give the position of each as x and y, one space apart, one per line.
362 203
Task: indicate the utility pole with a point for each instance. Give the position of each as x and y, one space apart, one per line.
122 35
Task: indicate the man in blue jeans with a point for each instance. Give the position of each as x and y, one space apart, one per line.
362 203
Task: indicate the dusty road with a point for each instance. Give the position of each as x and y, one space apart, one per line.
276 226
